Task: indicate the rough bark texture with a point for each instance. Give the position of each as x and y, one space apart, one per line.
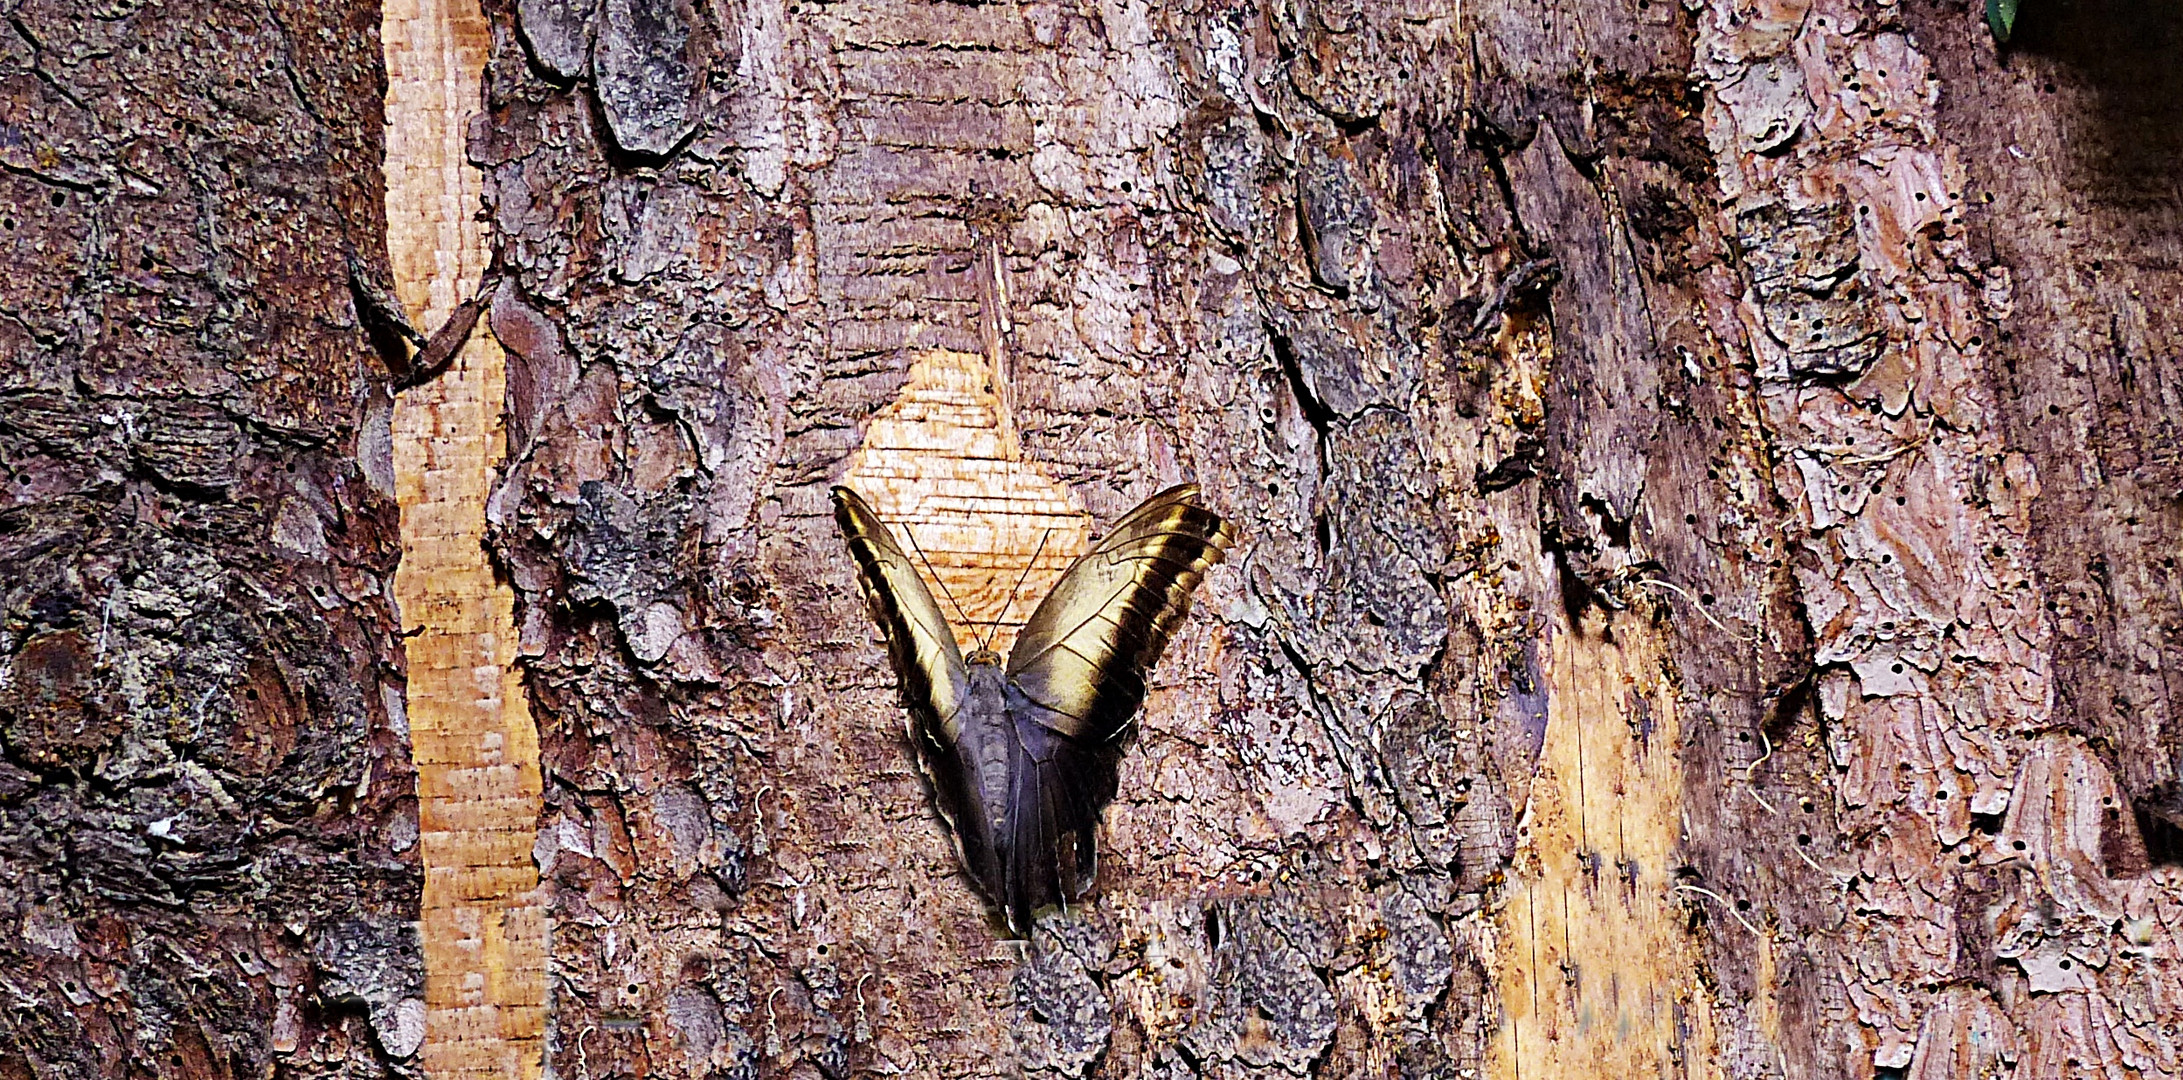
207 820
1708 476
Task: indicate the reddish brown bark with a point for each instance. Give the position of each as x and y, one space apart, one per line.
207 818
1707 476
1582 379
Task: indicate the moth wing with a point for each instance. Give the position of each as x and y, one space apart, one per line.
928 666
1084 654
1048 845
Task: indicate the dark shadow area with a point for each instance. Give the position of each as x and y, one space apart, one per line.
2163 833
2129 53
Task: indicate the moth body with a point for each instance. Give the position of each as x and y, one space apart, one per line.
988 733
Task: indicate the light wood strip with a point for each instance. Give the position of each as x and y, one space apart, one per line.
942 464
475 745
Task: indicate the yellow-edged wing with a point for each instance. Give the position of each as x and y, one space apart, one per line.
1086 650
928 666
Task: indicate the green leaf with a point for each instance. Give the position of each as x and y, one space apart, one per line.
2001 18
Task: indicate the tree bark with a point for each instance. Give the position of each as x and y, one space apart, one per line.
1654 609
1706 600
1707 475
207 813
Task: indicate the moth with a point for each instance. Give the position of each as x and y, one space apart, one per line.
1022 756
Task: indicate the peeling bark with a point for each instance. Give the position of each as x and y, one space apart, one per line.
208 829
1706 474
1527 343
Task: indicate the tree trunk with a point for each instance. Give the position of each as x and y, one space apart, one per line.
1708 484
208 828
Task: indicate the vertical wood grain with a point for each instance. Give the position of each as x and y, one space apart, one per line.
476 748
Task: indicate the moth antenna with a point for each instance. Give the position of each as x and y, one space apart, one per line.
944 590
1025 576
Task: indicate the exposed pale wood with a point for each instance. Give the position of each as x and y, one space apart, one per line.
942 464
1750 423
1596 973
475 745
